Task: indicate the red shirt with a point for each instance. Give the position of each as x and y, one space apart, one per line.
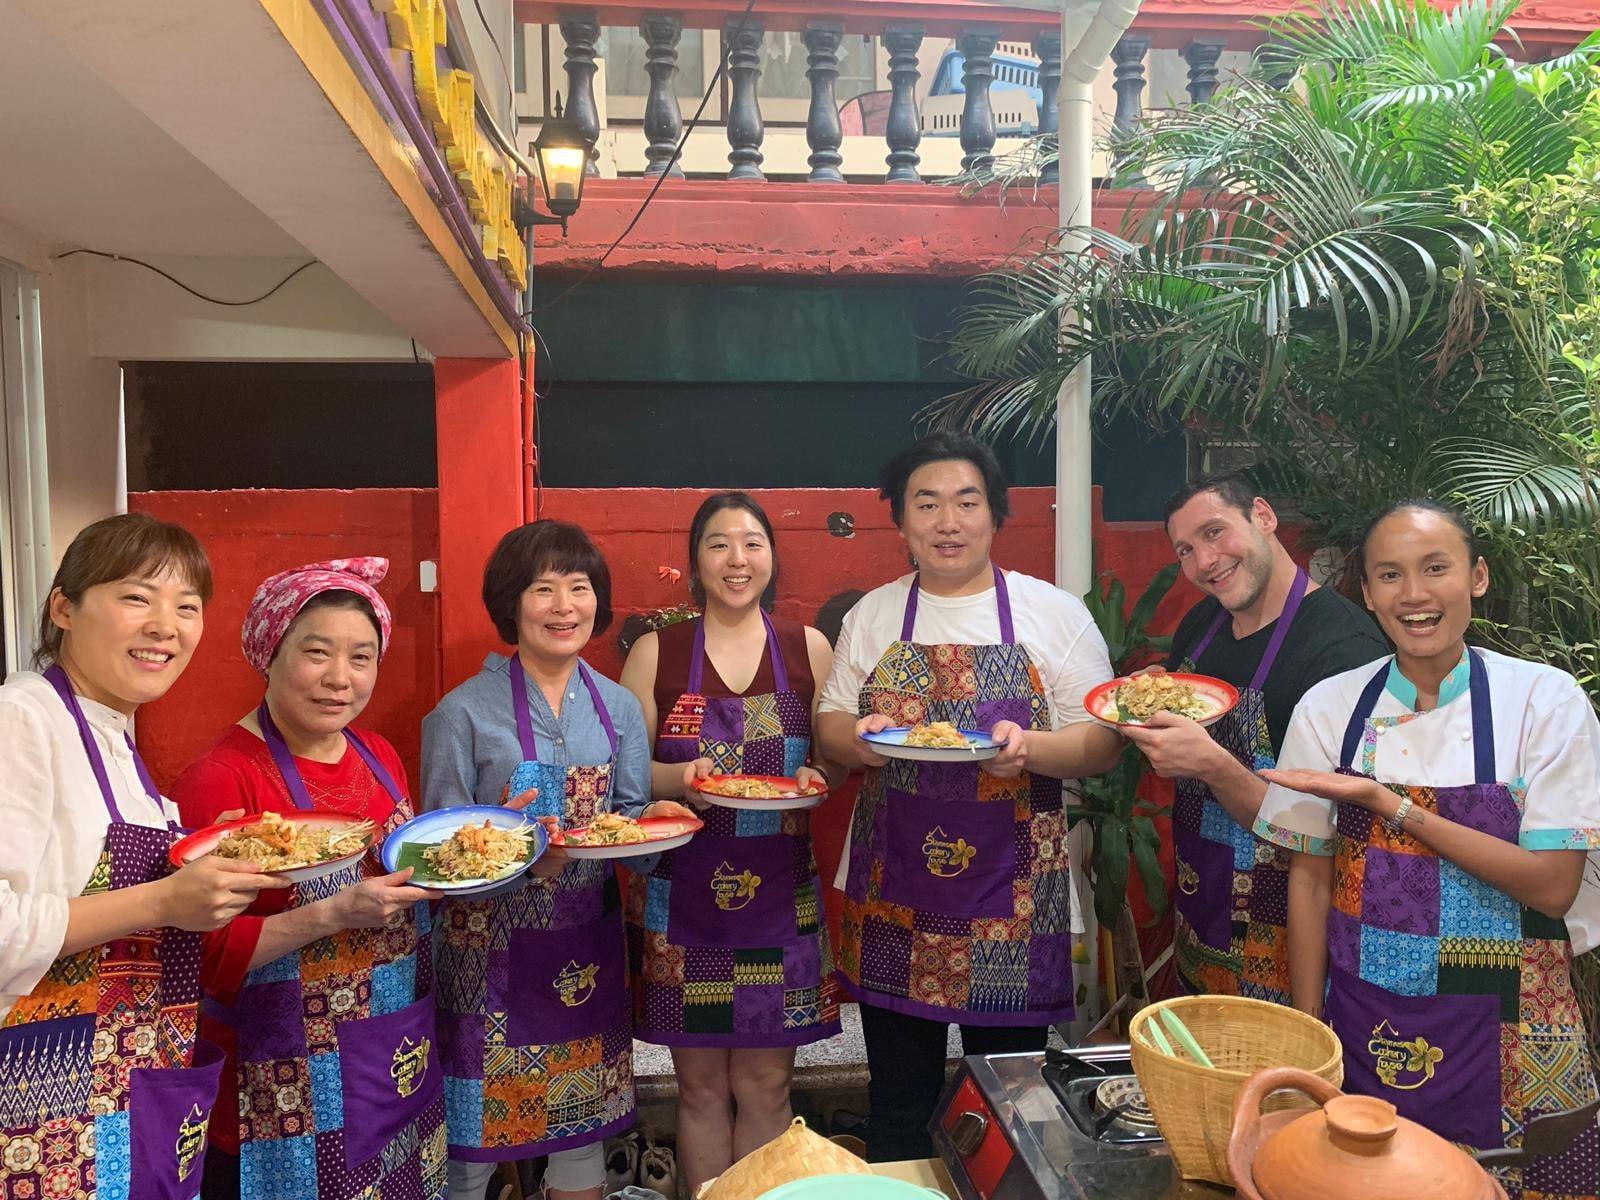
238 772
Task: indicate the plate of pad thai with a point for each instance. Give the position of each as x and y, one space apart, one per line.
466 851
612 835
936 741
296 846
1134 699
760 791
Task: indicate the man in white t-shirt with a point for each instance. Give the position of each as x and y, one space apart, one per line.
957 888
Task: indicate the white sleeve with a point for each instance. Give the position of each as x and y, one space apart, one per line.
33 923
1084 667
1293 819
842 691
1561 769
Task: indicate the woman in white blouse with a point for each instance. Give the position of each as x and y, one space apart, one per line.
1443 805
100 957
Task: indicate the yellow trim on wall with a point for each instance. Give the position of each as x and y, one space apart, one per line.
303 29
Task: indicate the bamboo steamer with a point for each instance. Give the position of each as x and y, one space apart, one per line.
796 1153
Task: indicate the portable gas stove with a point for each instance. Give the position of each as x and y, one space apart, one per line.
1055 1126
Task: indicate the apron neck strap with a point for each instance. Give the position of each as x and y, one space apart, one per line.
57 676
519 702
697 657
1280 630
290 770
1002 599
1483 768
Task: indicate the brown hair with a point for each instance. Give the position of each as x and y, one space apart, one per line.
115 548
710 507
526 553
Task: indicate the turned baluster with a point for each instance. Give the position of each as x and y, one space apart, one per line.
904 129
580 30
823 133
977 113
663 122
1202 59
1129 55
745 130
1047 49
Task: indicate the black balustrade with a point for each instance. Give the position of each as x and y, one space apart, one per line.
663 122
823 132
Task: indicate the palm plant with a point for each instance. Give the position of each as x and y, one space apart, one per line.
1377 257
1307 275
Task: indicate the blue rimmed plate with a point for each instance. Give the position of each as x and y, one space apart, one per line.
891 743
404 848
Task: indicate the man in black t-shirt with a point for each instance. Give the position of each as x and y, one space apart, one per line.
1268 630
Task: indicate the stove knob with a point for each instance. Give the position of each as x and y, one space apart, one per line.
966 1135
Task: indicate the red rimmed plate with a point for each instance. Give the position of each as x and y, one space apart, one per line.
793 795
1101 705
661 833
204 841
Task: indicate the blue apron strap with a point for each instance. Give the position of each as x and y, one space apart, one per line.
599 706
57 676
1482 719
519 704
1280 630
1363 710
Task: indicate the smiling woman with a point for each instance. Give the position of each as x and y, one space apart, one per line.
316 633
1441 806
84 864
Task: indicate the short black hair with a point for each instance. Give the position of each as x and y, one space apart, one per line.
526 553
1232 489
1454 515
710 507
944 446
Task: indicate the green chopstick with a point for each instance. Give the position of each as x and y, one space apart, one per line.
1153 1027
1181 1031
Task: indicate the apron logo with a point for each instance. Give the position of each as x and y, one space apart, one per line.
576 984
733 889
1188 878
1395 1057
410 1065
947 859
191 1140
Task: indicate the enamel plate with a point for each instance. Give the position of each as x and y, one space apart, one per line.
204 841
793 795
661 833
1101 704
404 848
891 743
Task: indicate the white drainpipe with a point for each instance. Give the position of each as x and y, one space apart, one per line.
1080 68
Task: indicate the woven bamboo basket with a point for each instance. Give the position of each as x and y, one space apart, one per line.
796 1153
1193 1105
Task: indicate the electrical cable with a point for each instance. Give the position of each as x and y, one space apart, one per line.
716 77
505 67
139 262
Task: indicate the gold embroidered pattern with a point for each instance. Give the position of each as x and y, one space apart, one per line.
410 1065
947 859
575 985
1396 1057
191 1140
733 889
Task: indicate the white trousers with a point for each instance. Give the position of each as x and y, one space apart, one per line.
569 1170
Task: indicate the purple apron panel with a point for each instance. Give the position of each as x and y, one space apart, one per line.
1207 909
391 1072
955 857
734 892
168 1111
573 982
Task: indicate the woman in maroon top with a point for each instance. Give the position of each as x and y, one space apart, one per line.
339 967
731 962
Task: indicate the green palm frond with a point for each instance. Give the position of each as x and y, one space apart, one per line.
1512 486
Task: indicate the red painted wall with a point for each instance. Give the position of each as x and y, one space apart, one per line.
253 534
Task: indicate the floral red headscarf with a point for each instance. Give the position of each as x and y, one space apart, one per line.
278 602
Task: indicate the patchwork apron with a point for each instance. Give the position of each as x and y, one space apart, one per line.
102 1089
1232 903
1453 1002
957 904
341 1091
539 1058
727 930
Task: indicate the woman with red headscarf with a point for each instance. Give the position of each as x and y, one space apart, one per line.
331 1090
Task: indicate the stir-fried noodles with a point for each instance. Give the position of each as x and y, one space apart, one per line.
484 851
282 845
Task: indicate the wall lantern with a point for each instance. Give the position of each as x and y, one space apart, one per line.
563 156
